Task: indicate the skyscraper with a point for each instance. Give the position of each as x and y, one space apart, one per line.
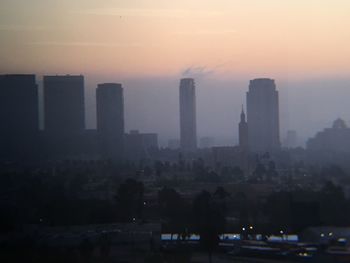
64 111
64 116
263 115
188 130
110 119
19 116
243 133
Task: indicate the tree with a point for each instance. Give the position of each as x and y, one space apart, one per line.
271 171
220 198
129 200
209 221
278 209
259 172
174 209
332 200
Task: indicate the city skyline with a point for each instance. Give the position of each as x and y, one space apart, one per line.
149 45
227 135
175 131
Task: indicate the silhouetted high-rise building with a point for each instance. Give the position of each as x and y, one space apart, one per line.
110 119
243 133
19 116
64 115
188 130
263 115
64 110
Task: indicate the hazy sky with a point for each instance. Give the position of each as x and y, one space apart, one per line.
149 44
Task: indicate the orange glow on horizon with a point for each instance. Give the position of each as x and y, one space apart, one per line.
251 37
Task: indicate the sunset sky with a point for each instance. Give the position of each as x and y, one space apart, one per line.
157 37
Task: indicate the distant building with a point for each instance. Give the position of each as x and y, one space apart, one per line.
243 133
64 110
150 140
335 139
263 116
206 142
173 144
188 130
110 119
244 144
226 156
291 140
140 145
19 116
64 115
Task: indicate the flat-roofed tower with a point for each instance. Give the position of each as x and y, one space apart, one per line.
263 115
19 116
64 111
188 129
64 116
110 119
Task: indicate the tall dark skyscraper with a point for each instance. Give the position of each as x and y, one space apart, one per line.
188 129
19 115
110 119
64 111
243 133
64 116
263 115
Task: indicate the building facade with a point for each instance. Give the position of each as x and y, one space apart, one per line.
19 116
263 116
110 119
64 115
243 133
140 145
188 129
331 140
64 110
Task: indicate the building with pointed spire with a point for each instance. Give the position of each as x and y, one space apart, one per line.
243 132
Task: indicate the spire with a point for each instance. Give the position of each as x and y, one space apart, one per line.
242 115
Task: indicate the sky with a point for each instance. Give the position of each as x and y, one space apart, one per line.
148 45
